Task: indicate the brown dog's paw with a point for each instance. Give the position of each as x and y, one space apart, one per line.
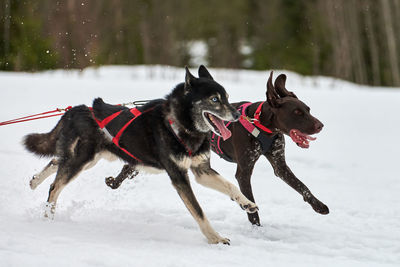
319 207
322 209
254 218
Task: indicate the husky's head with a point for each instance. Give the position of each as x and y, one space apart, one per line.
207 103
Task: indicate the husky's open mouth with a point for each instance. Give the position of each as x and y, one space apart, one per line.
217 125
301 139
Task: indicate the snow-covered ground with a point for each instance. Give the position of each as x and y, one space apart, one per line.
351 167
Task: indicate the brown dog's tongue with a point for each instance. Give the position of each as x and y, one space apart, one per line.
221 127
301 139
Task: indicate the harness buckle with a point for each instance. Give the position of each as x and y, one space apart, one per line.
247 118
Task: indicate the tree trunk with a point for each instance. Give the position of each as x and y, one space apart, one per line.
7 17
372 46
391 42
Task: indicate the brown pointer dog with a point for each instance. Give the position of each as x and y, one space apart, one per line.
282 113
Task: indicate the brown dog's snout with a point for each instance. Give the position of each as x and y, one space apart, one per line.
318 126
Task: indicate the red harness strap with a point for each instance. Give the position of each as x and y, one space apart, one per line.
102 124
257 119
253 126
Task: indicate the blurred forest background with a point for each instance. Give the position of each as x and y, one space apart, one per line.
356 40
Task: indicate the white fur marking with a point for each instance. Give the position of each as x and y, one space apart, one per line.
147 169
37 179
101 155
183 163
202 158
217 182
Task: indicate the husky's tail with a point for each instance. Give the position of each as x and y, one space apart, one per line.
43 144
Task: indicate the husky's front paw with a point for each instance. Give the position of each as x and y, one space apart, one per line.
218 239
112 182
249 207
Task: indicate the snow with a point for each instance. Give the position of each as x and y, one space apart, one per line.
351 167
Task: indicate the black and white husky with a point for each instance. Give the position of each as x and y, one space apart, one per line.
170 134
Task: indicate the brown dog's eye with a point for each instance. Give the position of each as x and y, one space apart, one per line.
298 112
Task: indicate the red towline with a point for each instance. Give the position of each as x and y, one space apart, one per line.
60 111
42 115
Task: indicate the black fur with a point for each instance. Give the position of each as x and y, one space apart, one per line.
77 139
42 144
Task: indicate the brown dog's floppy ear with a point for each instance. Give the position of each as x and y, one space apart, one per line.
203 73
280 87
189 79
272 96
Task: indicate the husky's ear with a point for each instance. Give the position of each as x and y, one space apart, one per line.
280 87
189 79
203 73
272 96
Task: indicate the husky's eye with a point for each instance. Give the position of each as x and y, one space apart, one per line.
214 99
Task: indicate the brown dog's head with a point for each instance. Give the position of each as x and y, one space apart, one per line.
289 114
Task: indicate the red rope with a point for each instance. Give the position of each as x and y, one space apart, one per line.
39 115
36 116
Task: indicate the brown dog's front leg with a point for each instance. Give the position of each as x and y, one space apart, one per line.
128 171
276 157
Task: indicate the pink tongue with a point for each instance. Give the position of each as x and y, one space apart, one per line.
222 128
311 138
301 139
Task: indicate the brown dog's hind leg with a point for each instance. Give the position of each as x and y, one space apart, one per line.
243 176
128 171
246 158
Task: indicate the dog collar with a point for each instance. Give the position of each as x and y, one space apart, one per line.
250 124
256 120
261 133
175 131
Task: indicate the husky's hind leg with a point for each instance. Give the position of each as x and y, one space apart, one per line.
128 171
50 168
68 169
61 180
